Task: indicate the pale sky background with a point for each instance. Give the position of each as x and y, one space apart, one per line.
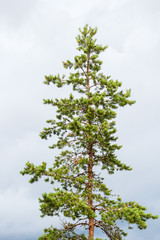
35 37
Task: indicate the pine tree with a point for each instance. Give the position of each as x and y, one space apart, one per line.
85 127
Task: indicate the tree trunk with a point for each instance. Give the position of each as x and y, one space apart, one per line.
90 168
90 201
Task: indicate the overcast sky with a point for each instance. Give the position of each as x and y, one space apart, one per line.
35 37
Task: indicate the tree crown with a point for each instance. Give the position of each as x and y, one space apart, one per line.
85 127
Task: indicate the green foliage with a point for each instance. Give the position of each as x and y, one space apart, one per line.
85 127
66 233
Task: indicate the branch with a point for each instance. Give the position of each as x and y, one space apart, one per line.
94 85
111 236
83 71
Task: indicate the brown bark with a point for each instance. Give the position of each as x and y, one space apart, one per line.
90 201
90 170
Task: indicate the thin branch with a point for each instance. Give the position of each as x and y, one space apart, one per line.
94 85
83 71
